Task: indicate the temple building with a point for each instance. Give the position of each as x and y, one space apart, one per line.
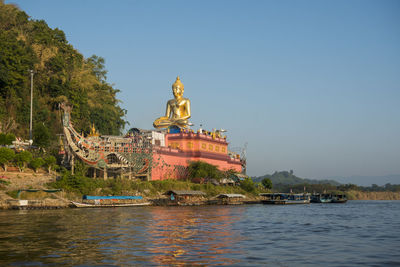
164 153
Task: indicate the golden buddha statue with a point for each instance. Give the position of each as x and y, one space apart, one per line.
178 109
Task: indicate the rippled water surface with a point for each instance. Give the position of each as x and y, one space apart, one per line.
364 233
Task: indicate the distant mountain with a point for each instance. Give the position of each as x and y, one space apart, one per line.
368 180
285 177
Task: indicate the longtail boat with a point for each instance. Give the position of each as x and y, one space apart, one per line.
110 201
285 198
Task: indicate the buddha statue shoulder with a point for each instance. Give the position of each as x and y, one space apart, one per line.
178 109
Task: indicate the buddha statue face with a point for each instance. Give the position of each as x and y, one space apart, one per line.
177 91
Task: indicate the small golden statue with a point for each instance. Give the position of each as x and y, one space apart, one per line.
93 131
178 109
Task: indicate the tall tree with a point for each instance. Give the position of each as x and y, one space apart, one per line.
61 73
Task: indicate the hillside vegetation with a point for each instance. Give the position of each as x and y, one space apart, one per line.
288 178
287 182
61 74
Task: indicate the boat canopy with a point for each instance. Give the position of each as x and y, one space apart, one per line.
111 197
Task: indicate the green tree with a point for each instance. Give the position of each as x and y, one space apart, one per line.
201 169
266 182
6 139
41 136
36 163
22 159
50 162
6 156
61 73
248 185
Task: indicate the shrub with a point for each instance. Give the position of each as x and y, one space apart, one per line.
36 163
23 158
50 163
77 183
201 169
248 185
6 156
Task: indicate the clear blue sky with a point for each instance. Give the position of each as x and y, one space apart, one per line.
312 86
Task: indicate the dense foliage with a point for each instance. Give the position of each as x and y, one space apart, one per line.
61 73
201 169
6 139
267 183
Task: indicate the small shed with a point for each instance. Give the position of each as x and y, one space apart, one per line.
188 197
231 198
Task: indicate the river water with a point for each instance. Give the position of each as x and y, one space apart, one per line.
357 233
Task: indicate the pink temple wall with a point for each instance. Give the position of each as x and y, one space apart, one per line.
165 161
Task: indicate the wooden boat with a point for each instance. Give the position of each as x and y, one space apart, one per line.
284 198
87 205
328 198
321 198
339 198
109 201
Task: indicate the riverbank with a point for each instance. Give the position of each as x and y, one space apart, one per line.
12 182
29 190
386 195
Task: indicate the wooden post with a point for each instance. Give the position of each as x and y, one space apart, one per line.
94 172
105 173
72 164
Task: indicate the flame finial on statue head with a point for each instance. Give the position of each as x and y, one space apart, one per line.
178 82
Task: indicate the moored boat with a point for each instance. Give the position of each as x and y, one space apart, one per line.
285 198
328 198
339 198
110 201
86 205
321 198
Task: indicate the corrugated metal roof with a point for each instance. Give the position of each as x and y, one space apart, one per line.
184 192
231 195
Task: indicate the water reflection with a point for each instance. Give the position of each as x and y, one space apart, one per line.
193 236
366 233
155 235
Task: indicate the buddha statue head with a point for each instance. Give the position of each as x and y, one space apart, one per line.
177 88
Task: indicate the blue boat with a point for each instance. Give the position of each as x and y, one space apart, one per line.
285 198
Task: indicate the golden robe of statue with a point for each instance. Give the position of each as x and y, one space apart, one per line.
178 109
